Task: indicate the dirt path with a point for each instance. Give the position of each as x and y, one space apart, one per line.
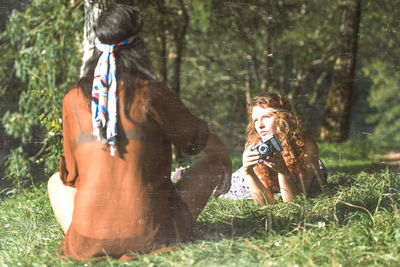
391 159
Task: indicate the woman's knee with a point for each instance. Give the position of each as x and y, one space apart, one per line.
53 181
54 186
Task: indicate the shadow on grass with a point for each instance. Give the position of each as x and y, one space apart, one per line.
5 186
259 226
351 196
9 186
286 224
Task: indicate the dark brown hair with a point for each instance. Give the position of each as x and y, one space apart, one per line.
118 23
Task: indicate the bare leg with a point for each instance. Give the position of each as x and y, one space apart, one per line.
198 183
61 200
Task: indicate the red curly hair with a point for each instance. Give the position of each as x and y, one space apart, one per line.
289 132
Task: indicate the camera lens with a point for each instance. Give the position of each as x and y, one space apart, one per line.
263 149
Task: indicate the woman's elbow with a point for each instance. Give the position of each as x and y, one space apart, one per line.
262 199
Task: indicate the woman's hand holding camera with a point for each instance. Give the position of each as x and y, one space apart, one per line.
250 158
274 161
258 191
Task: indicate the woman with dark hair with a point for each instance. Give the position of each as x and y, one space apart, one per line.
113 195
296 169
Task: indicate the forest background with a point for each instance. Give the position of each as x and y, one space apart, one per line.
216 55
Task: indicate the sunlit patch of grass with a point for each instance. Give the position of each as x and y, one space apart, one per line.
350 157
347 151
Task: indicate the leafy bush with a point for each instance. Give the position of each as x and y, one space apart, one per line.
384 98
45 48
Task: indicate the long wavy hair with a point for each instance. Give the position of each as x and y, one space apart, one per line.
289 132
114 25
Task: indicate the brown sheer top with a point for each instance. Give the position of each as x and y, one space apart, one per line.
127 203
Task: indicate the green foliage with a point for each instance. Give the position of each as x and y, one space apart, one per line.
201 13
384 98
379 61
225 56
222 65
19 171
45 42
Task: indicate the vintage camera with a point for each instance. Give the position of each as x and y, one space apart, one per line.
268 146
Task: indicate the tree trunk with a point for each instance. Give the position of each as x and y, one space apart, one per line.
179 35
247 82
336 119
161 40
93 9
266 83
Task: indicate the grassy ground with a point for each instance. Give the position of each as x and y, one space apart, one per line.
355 221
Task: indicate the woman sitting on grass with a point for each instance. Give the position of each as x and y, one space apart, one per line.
113 195
295 170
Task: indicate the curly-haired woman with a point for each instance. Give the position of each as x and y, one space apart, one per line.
297 169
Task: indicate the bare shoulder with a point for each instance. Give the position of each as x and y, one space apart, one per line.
74 97
68 96
74 92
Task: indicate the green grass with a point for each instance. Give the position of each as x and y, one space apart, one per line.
355 221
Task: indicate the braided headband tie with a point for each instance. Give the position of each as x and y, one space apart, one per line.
104 93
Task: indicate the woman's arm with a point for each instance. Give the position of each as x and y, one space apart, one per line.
289 189
287 185
216 148
258 191
310 167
